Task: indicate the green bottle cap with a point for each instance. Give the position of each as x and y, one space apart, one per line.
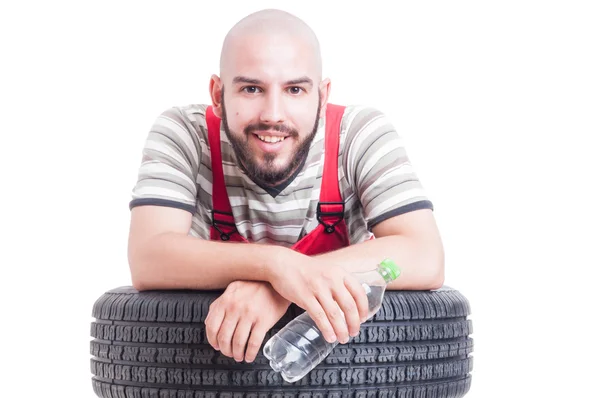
391 269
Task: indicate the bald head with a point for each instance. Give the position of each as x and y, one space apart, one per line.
266 26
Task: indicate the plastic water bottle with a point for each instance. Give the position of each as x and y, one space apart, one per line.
299 346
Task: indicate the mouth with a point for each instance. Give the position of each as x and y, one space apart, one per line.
271 137
269 142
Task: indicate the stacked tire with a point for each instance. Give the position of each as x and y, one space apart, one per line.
152 344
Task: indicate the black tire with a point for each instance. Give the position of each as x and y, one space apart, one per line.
153 345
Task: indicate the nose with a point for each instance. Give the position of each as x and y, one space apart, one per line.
272 112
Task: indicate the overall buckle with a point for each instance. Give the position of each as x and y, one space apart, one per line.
225 236
329 228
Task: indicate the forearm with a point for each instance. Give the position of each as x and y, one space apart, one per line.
421 262
176 261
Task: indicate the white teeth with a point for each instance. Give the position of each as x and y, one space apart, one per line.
271 139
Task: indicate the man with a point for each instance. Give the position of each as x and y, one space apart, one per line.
277 196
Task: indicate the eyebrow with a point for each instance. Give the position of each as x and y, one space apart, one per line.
248 80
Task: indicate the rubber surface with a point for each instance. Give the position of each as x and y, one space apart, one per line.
153 344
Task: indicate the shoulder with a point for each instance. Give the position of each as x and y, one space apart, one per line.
181 120
192 111
193 114
361 127
358 117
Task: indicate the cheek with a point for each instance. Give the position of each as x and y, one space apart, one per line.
238 118
306 123
304 115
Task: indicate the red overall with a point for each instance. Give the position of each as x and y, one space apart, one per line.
331 233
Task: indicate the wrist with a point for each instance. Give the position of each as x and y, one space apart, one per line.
276 261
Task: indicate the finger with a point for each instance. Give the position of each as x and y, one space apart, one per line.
240 338
360 297
334 314
212 324
225 335
317 313
346 302
257 336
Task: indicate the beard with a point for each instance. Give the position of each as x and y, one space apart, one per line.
266 174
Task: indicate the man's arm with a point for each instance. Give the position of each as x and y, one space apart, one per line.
393 201
412 240
163 256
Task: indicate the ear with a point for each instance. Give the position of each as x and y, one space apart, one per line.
216 88
324 89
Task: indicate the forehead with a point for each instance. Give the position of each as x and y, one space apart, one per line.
271 58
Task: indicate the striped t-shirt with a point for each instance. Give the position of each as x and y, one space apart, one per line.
376 179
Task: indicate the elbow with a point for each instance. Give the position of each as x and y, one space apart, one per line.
143 279
432 279
141 284
436 282
430 282
435 276
438 276
141 270
139 279
430 271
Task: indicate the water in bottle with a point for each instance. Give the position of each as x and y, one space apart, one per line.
299 346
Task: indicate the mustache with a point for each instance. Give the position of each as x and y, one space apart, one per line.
282 128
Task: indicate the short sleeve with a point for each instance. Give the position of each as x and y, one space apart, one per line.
170 161
378 167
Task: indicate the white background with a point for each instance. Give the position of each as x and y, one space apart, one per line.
499 103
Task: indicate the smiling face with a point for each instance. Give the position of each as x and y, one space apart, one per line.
270 153
269 97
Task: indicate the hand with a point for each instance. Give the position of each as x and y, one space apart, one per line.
238 321
333 297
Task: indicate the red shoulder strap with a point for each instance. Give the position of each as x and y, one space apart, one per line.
219 192
330 189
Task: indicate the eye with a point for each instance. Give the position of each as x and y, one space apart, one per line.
250 89
295 90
